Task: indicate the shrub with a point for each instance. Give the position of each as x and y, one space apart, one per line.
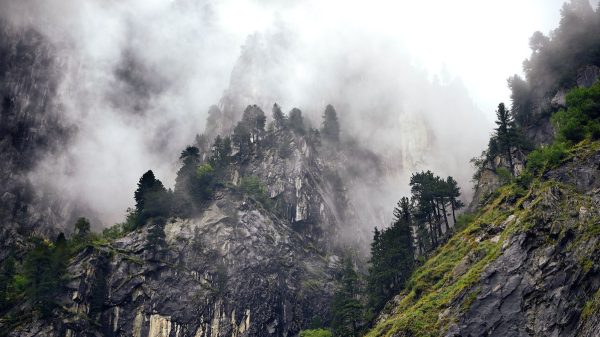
463 220
505 175
546 157
252 187
316 333
581 119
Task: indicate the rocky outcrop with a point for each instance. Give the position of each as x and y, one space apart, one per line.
236 270
30 129
528 265
546 274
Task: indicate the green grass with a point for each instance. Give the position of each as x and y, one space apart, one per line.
438 285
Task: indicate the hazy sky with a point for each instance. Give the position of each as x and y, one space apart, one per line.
416 81
482 42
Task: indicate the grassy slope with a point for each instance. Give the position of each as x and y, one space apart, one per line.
445 283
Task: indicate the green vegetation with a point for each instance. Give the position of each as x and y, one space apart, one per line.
316 333
347 309
555 61
252 187
546 157
392 257
581 119
330 129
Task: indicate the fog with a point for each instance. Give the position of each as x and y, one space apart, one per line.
416 82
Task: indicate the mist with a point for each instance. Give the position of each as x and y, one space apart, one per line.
415 83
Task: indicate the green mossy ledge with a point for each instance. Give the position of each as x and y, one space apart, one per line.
553 221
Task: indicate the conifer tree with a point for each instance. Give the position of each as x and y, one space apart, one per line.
347 309
330 129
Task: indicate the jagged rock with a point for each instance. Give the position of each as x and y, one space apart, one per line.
587 76
560 99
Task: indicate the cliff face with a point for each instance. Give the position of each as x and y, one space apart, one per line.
527 266
30 128
243 266
236 270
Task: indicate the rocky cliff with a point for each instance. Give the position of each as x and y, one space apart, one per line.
30 129
242 266
526 266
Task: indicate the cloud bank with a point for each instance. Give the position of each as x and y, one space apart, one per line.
139 76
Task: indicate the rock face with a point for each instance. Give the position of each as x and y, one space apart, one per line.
545 275
30 128
241 267
236 270
528 265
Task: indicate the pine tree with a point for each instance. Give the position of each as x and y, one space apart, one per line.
296 121
346 309
151 197
392 257
278 117
330 129
506 134
7 274
454 194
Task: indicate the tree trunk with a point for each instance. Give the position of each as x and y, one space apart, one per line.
510 161
453 216
445 216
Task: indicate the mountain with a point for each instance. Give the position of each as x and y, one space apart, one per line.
526 265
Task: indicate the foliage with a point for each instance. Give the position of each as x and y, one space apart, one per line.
392 257
431 196
7 275
556 60
504 175
296 121
220 152
506 138
252 187
285 148
463 220
316 333
249 132
546 157
346 308
151 197
82 227
330 130
44 268
582 118
278 117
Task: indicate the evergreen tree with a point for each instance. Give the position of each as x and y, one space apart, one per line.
346 309
296 121
43 268
151 197
392 257
330 129
279 117
454 194
82 228
220 152
7 274
506 134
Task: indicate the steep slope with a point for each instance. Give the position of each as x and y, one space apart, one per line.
527 265
236 270
260 263
30 128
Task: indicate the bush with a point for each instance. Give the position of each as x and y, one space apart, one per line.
316 333
581 119
252 187
463 220
546 157
505 175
